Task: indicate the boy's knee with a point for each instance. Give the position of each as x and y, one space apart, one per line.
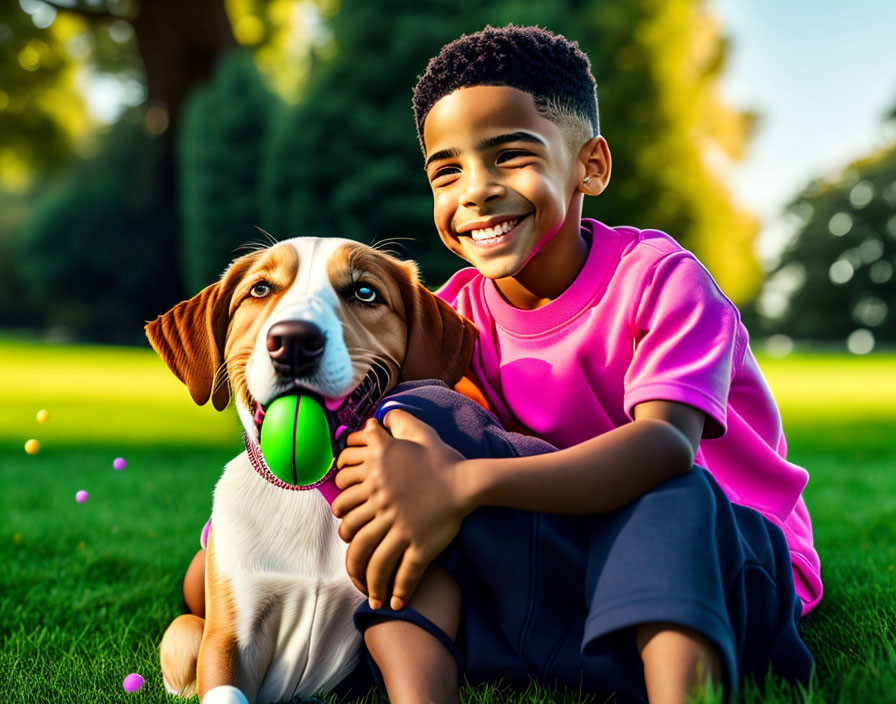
460 423
694 495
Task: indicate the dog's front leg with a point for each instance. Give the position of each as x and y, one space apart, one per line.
219 675
222 677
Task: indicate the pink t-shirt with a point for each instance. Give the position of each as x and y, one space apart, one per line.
642 321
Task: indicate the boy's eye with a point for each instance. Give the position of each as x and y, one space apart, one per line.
511 154
444 171
261 289
366 294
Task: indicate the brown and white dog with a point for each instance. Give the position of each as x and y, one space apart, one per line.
328 317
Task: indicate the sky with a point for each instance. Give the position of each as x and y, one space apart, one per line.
822 76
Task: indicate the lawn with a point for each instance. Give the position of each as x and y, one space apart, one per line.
88 589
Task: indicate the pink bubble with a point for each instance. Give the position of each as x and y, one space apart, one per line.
119 464
132 683
81 496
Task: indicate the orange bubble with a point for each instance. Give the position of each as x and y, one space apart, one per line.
32 447
43 415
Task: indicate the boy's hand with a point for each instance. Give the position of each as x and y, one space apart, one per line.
400 505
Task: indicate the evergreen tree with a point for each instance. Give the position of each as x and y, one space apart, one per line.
219 160
90 255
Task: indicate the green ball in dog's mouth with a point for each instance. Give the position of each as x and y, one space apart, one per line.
295 440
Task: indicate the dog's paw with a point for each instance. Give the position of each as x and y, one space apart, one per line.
225 694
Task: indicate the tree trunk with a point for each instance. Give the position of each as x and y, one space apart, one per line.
180 43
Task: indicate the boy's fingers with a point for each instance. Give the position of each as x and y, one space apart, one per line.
356 519
351 455
363 435
404 426
352 497
362 546
408 576
381 567
348 476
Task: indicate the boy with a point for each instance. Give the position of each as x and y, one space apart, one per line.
616 346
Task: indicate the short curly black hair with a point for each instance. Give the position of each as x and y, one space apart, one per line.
553 69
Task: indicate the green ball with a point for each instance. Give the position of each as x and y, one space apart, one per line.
295 440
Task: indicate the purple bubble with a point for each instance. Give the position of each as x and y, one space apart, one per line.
132 683
81 496
119 464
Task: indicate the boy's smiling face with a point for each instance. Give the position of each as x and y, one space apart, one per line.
506 185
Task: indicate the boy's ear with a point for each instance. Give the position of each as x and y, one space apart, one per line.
440 340
595 165
190 337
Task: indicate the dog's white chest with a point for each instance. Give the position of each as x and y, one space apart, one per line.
285 564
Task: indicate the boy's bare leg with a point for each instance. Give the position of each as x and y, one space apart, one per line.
677 661
415 666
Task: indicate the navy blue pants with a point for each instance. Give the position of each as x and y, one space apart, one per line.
556 597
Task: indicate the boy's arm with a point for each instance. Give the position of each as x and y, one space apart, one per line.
405 495
599 475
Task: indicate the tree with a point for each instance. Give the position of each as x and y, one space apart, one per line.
42 114
89 255
221 146
837 274
171 48
658 63
160 52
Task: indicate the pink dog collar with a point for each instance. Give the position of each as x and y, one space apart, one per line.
326 484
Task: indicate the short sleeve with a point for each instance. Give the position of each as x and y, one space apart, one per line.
685 336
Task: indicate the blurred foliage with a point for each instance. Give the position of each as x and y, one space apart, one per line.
93 253
42 113
338 154
282 35
837 274
220 152
346 161
16 307
658 64
48 49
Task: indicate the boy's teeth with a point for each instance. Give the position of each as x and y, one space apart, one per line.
489 232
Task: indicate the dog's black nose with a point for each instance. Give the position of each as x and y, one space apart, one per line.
295 347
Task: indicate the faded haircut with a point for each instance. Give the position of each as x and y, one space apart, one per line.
550 67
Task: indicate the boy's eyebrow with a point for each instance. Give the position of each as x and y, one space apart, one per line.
500 139
443 154
485 144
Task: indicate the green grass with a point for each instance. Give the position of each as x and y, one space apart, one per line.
86 590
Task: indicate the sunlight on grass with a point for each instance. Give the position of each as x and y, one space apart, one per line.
101 395
826 387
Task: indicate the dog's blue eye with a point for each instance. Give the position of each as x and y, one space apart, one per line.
260 290
366 294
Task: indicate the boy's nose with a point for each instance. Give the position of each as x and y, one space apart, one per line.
481 188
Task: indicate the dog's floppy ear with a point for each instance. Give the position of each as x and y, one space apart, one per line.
190 337
440 340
